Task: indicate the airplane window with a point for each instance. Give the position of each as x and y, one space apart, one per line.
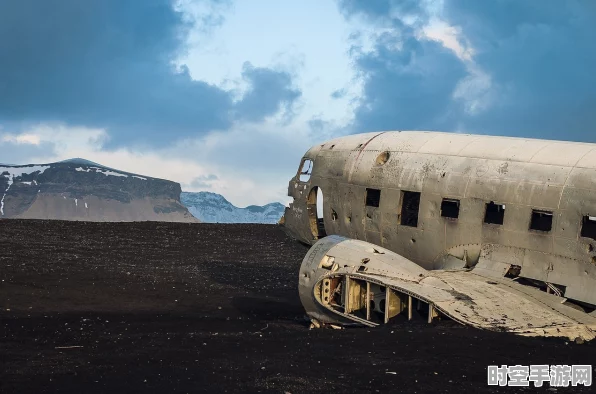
450 208
495 213
589 227
373 197
306 170
410 204
541 220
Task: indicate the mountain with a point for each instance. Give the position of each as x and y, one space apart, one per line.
79 189
214 208
78 160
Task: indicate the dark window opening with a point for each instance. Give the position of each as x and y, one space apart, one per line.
410 205
450 208
541 220
495 213
373 197
321 227
589 227
513 271
305 170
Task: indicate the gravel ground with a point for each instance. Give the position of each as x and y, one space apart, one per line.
172 307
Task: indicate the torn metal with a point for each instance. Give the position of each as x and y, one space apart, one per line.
345 281
493 232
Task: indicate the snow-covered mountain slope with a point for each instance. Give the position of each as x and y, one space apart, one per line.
78 189
214 208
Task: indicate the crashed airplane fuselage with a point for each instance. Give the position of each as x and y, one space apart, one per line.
494 232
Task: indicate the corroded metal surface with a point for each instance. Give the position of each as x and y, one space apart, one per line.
391 189
460 295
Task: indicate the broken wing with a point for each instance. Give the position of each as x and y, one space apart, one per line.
346 281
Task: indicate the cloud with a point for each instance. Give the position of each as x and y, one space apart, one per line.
14 152
269 92
249 164
408 84
449 36
203 182
501 67
320 129
30 139
338 94
259 152
540 57
388 11
109 64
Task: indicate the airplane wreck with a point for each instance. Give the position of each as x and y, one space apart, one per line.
498 233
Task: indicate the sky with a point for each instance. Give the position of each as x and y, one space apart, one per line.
227 95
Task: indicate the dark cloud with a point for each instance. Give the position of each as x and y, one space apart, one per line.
409 88
541 56
338 94
270 91
537 56
382 10
108 63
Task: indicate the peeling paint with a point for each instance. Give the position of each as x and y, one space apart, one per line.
523 175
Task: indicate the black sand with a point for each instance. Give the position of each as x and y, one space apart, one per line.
166 307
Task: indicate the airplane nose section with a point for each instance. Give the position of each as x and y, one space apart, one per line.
323 277
315 265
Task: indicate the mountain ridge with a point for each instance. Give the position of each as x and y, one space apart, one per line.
211 207
78 189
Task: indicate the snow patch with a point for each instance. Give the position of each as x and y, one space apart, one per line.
108 172
86 205
76 203
140 177
3 196
15 172
105 172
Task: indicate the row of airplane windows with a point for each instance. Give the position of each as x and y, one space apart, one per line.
494 213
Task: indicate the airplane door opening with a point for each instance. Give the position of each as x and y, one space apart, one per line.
315 213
